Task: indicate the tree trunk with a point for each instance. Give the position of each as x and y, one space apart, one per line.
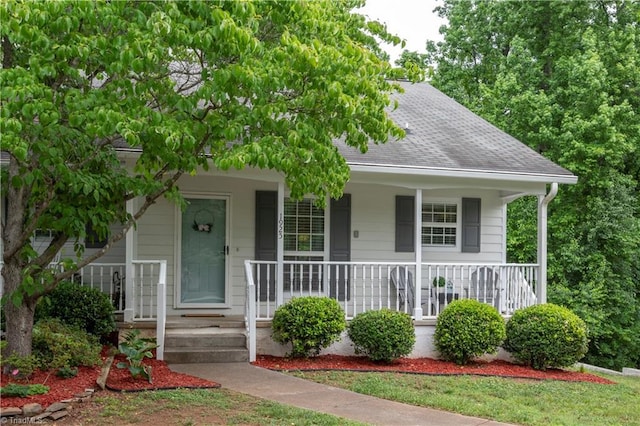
19 318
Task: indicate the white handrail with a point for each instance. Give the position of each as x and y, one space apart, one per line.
251 310
161 316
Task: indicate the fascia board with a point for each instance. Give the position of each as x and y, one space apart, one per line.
464 173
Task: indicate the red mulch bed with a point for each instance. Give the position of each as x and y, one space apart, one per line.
118 379
424 366
162 378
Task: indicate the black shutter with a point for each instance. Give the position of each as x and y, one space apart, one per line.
340 247
471 213
266 242
405 223
92 241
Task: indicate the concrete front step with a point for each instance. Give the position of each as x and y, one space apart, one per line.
205 355
205 344
194 340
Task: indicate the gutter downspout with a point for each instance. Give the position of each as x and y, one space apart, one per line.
543 203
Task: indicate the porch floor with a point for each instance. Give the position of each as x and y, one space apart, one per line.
182 322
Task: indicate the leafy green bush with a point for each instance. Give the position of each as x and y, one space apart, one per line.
22 391
382 335
57 345
467 329
81 306
546 335
136 349
309 324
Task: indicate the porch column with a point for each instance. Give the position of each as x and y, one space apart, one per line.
280 247
543 202
417 307
129 274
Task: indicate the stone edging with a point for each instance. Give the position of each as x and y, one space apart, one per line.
34 413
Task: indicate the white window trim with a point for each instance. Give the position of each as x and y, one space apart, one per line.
324 253
438 248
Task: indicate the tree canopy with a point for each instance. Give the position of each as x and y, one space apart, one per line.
186 86
564 77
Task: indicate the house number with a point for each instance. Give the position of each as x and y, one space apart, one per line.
280 227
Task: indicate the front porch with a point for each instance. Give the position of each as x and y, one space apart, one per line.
421 290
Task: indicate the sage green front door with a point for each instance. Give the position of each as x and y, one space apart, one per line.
204 249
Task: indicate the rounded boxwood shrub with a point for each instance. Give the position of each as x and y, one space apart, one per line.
84 307
309 324
467 329
547 335
383 335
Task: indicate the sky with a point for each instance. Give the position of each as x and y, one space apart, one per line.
411 20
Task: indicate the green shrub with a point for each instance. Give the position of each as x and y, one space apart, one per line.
80 306
22 367
383 335
67 372
309 324
57 345
545 336
467 329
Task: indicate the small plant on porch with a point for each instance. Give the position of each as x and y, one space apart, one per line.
467 329
439 282
383 335
136 349
545 336
309 324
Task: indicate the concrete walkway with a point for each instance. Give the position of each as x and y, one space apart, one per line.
279 387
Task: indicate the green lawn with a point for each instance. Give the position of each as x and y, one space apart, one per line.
188 407
525 402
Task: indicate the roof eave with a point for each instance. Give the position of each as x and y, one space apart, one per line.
464 173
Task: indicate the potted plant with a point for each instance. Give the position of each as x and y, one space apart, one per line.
443 289
439 284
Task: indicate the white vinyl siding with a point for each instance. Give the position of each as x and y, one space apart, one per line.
372 220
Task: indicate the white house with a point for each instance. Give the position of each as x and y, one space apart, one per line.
430 208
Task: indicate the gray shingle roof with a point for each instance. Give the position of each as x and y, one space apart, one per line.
445 135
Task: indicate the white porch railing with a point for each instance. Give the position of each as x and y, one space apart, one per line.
364 286
109 278
145 294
